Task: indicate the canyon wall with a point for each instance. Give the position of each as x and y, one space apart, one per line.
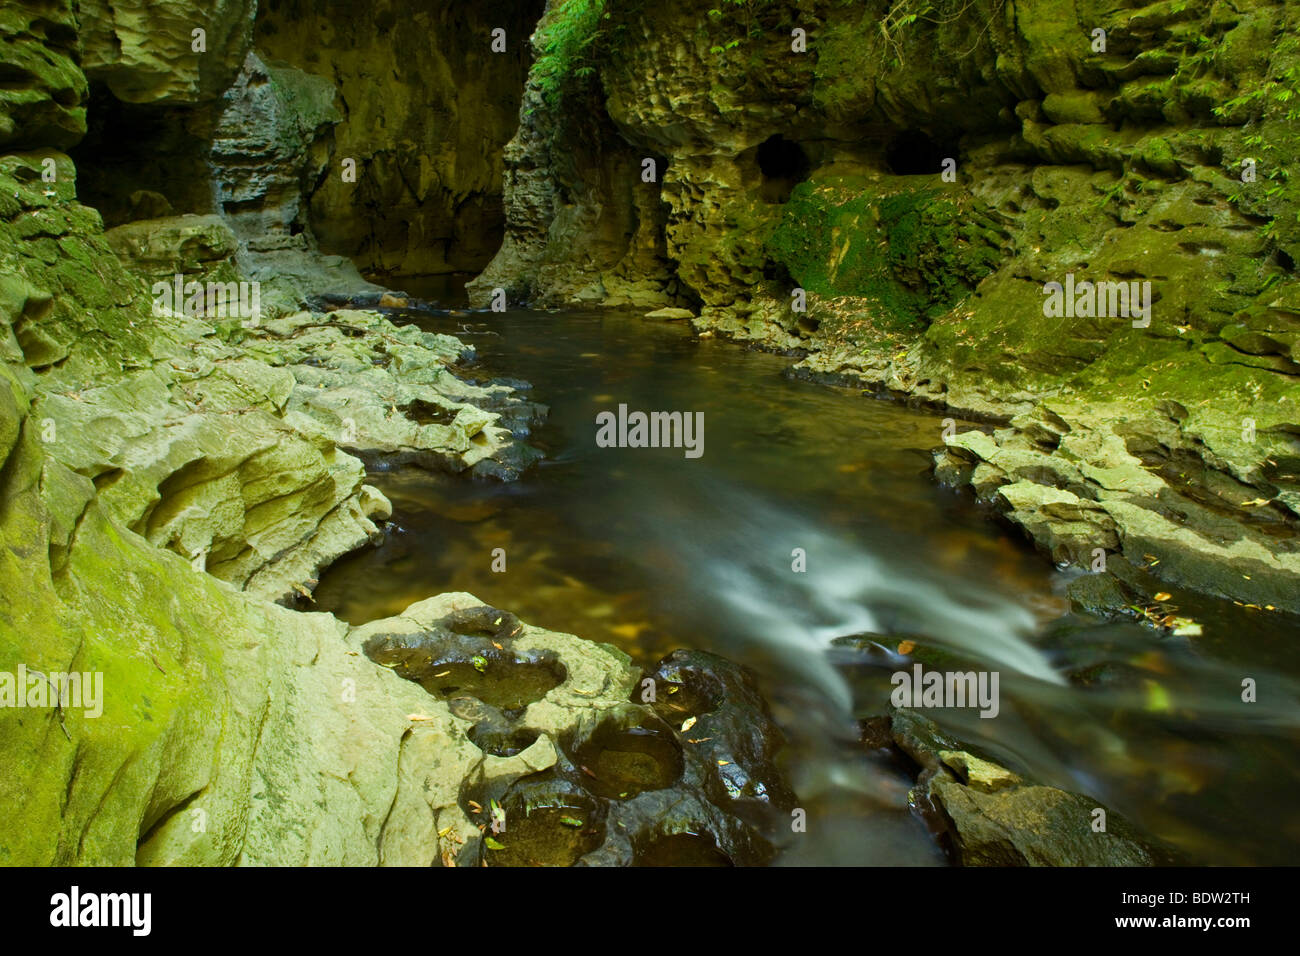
425 110
801 144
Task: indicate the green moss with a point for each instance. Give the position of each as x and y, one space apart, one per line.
915 252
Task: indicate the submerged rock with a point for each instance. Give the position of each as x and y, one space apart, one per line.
995 817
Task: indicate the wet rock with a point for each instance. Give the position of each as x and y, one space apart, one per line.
624 783
1098 594
996 817
469 653
583 771
670 314
387 394
732 738
1085 486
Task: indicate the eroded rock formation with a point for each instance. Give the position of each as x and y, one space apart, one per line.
1140 144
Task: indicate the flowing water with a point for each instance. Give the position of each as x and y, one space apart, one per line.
651 550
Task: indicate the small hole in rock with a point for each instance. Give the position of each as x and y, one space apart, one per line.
623 762
501 743
914 153
548 822
784 165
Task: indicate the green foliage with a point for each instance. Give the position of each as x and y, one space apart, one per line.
905 14
569 46
731 13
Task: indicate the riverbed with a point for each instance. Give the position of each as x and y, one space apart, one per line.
812 515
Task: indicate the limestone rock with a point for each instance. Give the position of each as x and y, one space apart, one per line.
999 818
147 51
43 100
426 198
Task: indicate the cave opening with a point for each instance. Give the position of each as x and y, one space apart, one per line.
784 165
914 152
427 117
142 161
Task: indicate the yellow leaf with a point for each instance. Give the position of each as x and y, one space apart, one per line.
1157 698
906 647
1162 596
687 724
723 763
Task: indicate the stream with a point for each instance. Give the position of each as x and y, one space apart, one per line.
651 550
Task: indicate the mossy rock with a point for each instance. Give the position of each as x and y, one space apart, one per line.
915 252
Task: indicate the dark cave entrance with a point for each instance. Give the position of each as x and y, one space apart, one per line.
914 152
784 165
142 161
429 111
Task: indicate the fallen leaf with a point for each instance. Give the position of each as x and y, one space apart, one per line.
443 833
571 821
476 807
1162 596
906 647
687 724
492 844
1157 698
723 763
